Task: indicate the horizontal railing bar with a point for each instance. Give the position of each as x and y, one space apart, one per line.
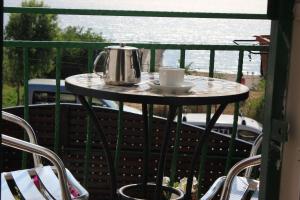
133 13
73 44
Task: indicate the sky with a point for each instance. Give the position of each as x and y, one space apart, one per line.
231 6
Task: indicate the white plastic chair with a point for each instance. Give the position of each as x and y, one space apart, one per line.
40 182
238 187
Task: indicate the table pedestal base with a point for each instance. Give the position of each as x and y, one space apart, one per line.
136 192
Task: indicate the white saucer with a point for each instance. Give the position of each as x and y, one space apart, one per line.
184 88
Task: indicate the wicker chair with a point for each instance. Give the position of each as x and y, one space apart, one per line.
40 182
238 187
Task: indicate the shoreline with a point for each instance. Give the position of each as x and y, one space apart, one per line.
251 81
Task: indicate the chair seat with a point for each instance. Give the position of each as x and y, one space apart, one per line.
39 183
242 187
5 190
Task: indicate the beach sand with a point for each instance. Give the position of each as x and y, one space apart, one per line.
251 81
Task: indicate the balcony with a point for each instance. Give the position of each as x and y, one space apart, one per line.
67 130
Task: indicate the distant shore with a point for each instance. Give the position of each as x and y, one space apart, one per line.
251 81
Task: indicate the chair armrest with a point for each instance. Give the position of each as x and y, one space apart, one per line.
213 190
235 170
83 192
28 129
44 152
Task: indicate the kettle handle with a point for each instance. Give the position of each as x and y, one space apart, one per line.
102 53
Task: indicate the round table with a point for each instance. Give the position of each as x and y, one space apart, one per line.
206 91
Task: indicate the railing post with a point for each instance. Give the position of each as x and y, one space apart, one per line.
182 58
88 145
208 113
26 100
119 134
57 101
236 115
150 108
152 60
178 129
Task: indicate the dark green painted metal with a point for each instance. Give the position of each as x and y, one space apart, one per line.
26 99
57 101
178 130
104 144
90 60
212 63
163 151
152 46
276 88
67 11
176 147
150 107
146 150
281 10
199 147
88 146
119 135
152 60
182 58
150 123
208 114
202 171
236 115
26 78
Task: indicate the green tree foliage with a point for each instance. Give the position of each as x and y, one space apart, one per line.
75 60
40 27
34 27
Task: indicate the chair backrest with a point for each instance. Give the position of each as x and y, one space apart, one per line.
72 141
28 130
255 147
56 180
23 179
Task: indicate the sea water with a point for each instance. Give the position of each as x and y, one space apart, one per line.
174 30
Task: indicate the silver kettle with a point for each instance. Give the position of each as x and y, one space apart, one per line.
120 65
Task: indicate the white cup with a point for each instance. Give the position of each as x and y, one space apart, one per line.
171 76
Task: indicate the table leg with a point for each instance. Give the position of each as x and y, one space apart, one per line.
146 149
107 152
162 157
199 146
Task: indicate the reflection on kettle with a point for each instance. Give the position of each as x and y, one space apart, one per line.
119 65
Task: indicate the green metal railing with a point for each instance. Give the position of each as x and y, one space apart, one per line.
91 46
133 13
